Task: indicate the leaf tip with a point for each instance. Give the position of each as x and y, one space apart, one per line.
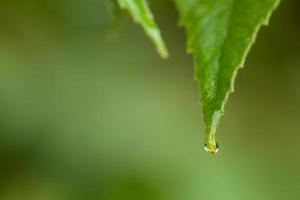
211 145
162 51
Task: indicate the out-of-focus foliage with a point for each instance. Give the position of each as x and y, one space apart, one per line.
83 117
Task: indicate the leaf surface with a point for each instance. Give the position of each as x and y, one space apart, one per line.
141 14
220 34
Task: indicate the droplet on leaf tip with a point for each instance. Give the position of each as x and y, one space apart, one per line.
211 148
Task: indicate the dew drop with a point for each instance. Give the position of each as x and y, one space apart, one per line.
211 148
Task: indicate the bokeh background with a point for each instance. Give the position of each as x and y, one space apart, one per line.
88 110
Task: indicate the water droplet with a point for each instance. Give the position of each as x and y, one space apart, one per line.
211 148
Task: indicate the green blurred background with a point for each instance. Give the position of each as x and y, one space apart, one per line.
88 110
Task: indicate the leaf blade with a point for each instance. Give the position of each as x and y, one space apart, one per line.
220 34
142 15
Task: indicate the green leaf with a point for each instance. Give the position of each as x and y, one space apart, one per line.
220 34
141 13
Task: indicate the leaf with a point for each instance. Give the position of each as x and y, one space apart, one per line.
220 34
141 13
